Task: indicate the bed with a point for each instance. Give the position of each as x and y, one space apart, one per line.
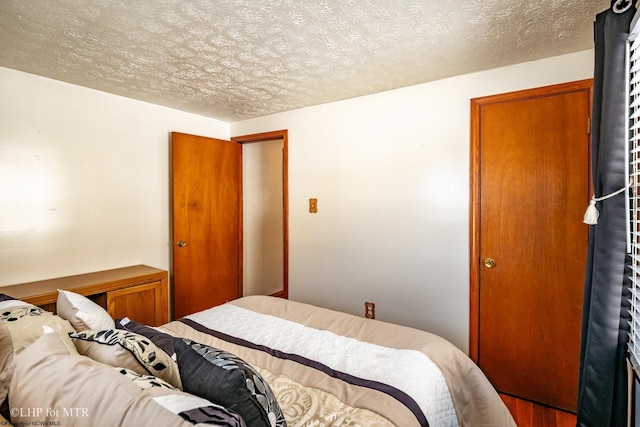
256 361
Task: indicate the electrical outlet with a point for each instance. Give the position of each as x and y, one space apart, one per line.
369 310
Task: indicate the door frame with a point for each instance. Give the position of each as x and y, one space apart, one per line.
475 191
262 137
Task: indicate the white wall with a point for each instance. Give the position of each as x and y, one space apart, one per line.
391 174
84 186
84 178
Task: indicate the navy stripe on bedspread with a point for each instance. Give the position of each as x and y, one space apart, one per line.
399 395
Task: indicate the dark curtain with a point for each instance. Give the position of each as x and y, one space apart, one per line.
602 395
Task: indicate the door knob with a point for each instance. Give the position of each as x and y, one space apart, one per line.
489 262
181 243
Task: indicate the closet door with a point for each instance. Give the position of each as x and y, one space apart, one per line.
530 188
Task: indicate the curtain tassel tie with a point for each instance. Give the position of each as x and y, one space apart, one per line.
592 213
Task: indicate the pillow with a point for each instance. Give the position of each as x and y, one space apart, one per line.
121 348
227 380
82 312
7 302
5 297
20 326
191 408
159 338
61 388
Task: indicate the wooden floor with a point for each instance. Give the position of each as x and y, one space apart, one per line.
528 414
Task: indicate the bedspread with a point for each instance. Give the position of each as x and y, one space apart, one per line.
331 368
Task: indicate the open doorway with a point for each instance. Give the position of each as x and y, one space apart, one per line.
264 213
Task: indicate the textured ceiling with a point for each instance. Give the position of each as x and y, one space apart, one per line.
239 59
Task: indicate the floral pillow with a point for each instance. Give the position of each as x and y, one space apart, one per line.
227 380
49 375
117 347
21 324
159 338
5 297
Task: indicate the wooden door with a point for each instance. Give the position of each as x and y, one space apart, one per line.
530 188
206 189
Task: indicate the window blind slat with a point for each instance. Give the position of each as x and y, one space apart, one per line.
634 199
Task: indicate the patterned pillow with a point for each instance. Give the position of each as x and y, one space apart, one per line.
191 408
5 297
48 375
227 380
20 325
159 338
7 302
117 347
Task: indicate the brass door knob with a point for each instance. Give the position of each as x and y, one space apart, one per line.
489 262
181 243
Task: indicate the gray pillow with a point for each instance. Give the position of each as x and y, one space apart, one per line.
227 380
